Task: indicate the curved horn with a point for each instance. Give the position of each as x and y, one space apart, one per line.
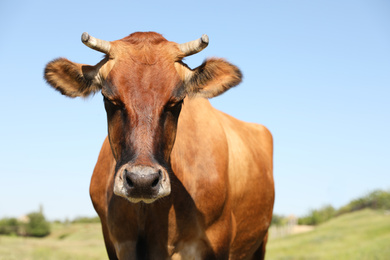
96 44
195 46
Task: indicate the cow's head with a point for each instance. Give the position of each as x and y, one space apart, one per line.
143 81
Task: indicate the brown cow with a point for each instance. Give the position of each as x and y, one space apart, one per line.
176 178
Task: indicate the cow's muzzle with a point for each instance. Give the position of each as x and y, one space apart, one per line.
142 183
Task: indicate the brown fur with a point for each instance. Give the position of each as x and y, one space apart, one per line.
219 169
213 77
71 79
144 38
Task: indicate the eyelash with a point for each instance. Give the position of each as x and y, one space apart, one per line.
174 105
113 103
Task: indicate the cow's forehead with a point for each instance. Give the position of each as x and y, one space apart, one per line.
143 71
138 81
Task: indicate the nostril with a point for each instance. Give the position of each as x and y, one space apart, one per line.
155 182
128 179
157 179
129 182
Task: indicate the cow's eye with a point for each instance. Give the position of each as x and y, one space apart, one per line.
112 103
173 105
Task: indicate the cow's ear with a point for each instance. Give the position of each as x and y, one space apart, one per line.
213 78
72 79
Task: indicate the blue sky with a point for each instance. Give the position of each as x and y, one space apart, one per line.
316 73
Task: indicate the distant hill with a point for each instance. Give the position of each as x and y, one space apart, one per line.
377 200
363 234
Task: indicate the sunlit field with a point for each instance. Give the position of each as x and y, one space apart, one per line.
360 235
66 241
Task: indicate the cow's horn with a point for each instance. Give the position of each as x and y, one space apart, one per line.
195 46
96 44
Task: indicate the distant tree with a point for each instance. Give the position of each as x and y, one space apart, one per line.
318 216
9 226
37 226
278 220
377 199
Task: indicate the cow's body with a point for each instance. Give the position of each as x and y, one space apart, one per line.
176 178
221 200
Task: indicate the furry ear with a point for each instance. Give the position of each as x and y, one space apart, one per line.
72 79
212 78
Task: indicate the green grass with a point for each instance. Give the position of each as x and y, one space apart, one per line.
360 235
66 242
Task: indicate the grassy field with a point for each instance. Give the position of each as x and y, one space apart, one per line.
360 235
66 242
